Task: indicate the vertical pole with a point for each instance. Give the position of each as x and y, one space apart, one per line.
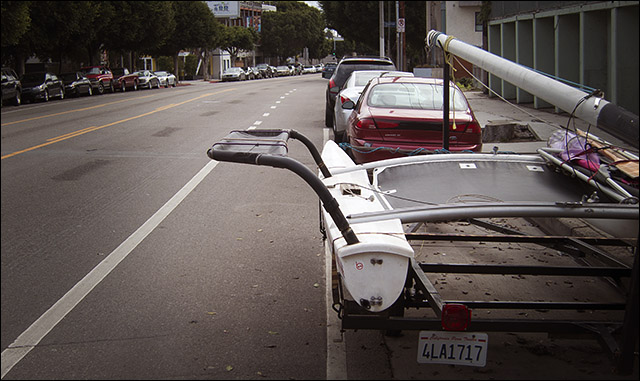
381 7
445 103
404 34
398 58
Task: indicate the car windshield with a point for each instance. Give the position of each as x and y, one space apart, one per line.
345 69
33 78
142 73
91 70
422 96
283 68
162 73
232 70
68 77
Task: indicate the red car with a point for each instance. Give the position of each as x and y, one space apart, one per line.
101 78
123 80
400 116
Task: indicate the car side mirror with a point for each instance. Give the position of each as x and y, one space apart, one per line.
348 105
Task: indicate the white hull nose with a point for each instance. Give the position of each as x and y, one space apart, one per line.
374 270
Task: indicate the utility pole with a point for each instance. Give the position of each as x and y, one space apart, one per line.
381 7
398 57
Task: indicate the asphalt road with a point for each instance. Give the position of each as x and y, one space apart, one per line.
128 253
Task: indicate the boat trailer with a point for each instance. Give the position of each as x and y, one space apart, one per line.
421 290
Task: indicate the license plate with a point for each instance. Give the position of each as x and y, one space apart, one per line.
457 348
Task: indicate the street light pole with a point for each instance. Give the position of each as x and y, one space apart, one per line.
381 7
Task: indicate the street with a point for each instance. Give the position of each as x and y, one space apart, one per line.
128 254
227 283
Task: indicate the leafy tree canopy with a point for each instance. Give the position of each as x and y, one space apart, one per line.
293 27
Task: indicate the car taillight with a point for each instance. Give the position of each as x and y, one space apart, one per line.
467 128
386 124
366 123
333 89
455 317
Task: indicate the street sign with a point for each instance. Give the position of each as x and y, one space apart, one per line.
401 25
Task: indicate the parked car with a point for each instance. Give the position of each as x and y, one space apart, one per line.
342 71
123 79
319 68
233 74
147 80
327 70
76 84
308 69
11 87
166 79
265 70
251 72
41 86
350 91
282 71
396 114
100 76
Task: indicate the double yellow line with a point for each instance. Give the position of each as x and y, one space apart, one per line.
94 128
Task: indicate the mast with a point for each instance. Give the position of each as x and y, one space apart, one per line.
588 107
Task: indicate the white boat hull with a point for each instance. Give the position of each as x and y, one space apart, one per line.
374 270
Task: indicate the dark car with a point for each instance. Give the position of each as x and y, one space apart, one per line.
124 80
342 72
328 69
265 70
11 87
397 116
41 86
76 84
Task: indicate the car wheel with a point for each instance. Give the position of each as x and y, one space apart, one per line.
135 85
100 88
123 88
328 117
16 99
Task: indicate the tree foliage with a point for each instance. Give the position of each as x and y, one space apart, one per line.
358 23
237 38
293 27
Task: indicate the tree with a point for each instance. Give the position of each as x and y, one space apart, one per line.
15 21
237 38
358 22
293 27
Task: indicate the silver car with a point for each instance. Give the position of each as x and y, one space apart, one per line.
166 79
147 80
350 91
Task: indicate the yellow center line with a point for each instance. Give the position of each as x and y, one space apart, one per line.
71 111
91 129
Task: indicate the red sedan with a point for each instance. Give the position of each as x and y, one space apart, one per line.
400 116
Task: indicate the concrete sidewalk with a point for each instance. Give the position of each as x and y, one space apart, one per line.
492 111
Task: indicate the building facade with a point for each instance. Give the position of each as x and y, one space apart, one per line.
589 44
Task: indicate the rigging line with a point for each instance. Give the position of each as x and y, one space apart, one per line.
506 101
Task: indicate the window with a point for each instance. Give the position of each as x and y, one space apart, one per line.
478 22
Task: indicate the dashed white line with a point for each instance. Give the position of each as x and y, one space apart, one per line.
266 114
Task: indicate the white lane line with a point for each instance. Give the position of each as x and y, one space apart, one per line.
266 114
336 344
282 97
274 106
278 102
257 123
30 338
